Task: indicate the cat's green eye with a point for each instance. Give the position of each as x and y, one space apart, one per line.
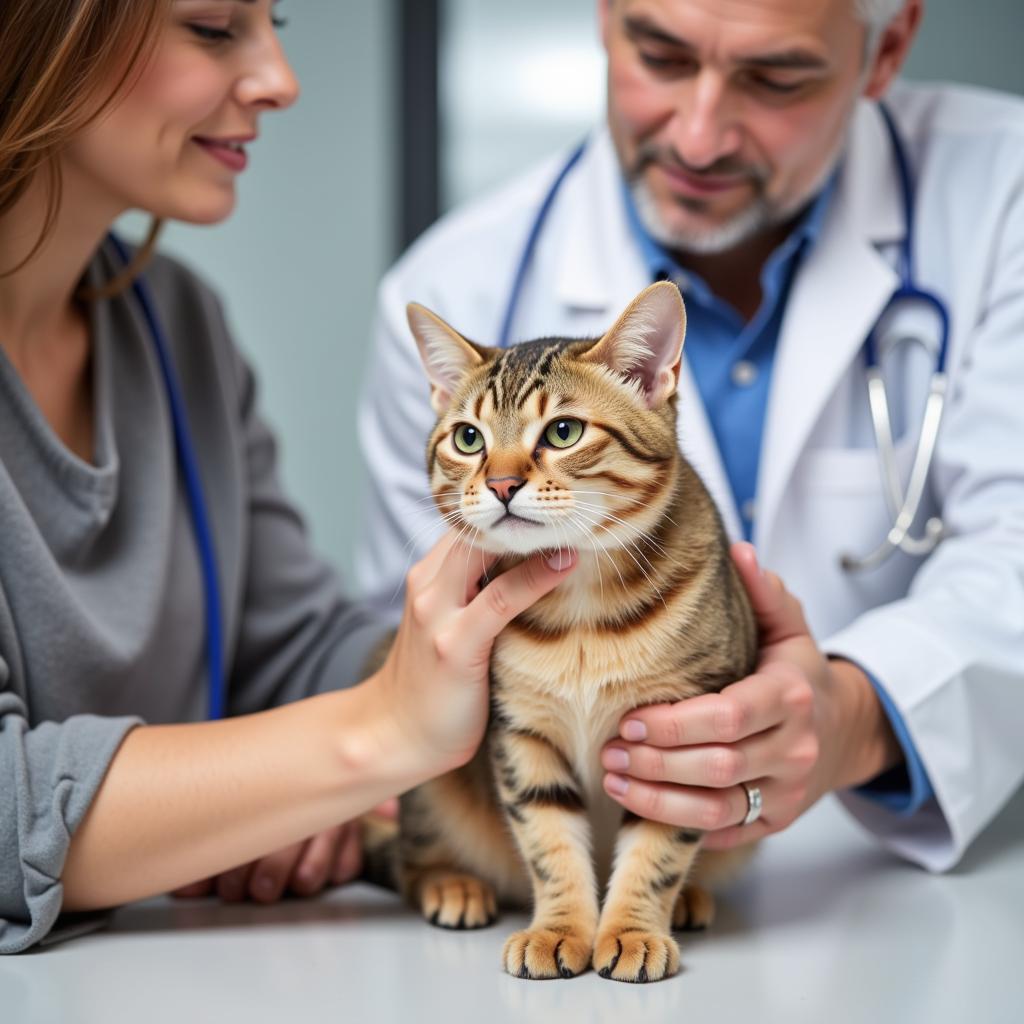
563 433
468 439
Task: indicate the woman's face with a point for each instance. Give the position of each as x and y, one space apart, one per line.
174 143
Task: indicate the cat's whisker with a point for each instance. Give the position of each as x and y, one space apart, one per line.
626 549
450 519
618 519
469 556
446 511
565 525
429 505
597 563
559 536
654 586
624 524
643 535
611 561
432 499
626 497
410 545
467 528
434 517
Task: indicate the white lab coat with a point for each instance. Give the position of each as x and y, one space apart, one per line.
944 635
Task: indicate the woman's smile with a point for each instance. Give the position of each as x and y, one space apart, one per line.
229 151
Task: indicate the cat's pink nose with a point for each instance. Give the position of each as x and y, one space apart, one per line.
503 487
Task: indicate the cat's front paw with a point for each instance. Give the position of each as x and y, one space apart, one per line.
546 953
457 901
635 956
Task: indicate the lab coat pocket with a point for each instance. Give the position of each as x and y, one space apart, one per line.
854 470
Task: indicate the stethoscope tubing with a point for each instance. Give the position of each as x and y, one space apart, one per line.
189 467
505 333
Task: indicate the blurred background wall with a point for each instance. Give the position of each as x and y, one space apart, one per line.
320 211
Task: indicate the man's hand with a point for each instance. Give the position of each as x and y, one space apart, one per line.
799 727
303 869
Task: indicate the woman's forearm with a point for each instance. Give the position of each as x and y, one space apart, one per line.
183 802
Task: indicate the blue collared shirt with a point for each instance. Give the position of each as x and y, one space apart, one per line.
731 361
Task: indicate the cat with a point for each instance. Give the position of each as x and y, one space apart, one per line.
561 443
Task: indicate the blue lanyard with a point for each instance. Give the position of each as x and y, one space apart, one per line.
190 474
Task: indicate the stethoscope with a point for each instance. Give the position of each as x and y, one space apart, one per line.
188 465
902 505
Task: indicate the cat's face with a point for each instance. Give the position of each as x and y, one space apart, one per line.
556 443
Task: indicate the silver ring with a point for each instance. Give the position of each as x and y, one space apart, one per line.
754 804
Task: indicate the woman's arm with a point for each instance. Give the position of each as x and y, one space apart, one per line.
182 802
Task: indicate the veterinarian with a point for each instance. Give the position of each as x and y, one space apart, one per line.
152 572
827 227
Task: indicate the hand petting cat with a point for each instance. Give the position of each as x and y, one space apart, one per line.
799 727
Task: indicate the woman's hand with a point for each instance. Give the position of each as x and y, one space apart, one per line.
799 727
333 857
303 869
434 684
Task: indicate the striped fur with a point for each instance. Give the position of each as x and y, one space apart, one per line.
654 612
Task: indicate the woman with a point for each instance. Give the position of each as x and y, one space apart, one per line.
109 106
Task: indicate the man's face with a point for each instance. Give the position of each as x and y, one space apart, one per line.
728 115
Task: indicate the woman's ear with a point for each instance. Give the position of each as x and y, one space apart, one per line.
446 354
646 342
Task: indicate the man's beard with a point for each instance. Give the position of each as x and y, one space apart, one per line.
758 216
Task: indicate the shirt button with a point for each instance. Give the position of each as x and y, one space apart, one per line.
743 373
748 510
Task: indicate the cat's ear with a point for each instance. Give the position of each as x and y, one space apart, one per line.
446 354
646 342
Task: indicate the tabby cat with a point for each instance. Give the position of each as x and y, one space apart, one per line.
572 443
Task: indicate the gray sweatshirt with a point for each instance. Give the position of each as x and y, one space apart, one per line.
101 603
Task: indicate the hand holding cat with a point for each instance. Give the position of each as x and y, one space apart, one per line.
799 727
434 684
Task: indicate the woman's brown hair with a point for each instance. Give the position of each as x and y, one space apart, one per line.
56 58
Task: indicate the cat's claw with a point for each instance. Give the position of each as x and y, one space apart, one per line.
546 953
635 956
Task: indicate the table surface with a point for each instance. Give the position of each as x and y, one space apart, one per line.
824 926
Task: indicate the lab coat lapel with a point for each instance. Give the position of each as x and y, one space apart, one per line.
600 270
839 292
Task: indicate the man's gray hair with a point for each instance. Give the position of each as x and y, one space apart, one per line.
878 13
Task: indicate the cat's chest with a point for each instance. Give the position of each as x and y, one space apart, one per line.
588 674
580 729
